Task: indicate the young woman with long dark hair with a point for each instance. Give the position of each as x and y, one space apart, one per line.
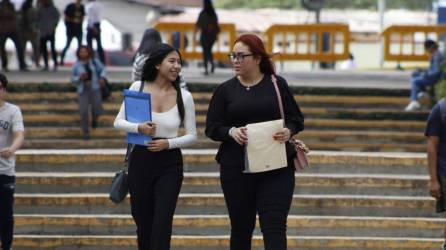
156 170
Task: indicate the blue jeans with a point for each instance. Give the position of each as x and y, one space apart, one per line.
419 83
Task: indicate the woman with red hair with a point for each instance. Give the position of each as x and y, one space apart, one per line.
250 97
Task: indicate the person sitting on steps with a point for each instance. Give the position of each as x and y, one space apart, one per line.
425 78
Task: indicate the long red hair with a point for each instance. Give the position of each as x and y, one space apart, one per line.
257 47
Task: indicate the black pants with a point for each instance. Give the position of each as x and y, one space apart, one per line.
72 32
269 194
7 186
18 45
43 49
206 44
154 184
95 33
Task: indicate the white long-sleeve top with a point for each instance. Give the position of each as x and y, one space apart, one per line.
167 123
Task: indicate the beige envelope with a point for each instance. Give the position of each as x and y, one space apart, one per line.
263 153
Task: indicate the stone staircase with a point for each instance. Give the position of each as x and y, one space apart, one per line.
347 200
338 120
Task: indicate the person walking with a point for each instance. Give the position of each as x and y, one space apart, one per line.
88 75
74 17
8 29
156 171
11 139
48 18
94 17
250 97
207 24
150 38
436 155
29 30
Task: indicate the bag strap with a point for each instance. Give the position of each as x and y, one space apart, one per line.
141 86
96 70
127 154
279 98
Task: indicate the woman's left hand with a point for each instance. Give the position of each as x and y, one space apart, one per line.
158 145
283 135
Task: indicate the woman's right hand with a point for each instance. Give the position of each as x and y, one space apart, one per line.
240 135
435 189
147 128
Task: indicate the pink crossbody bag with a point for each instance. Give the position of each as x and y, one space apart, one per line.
301 159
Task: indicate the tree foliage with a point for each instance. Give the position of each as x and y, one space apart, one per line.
329 4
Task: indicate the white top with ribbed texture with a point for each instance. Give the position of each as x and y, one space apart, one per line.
167 123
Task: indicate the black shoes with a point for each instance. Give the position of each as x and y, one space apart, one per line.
94 124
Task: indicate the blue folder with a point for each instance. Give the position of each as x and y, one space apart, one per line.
138 109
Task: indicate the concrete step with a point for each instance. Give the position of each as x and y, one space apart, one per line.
112 108
337 144
70 137
100 160
108 119
221 242
70 120
201 182
320 135
211 203
329 100
99 224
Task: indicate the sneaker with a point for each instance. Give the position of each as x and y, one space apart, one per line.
413 105
424 98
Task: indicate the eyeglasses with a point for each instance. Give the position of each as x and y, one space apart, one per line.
240 57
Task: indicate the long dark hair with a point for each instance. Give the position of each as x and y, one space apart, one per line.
150 37
257 48
156 56
208 8
90 53
28 4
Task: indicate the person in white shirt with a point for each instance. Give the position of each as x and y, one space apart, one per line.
156 171
11 139
349 64
94 17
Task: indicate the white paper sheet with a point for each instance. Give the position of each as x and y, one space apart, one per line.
263 152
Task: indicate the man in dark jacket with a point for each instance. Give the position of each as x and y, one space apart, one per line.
74 17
